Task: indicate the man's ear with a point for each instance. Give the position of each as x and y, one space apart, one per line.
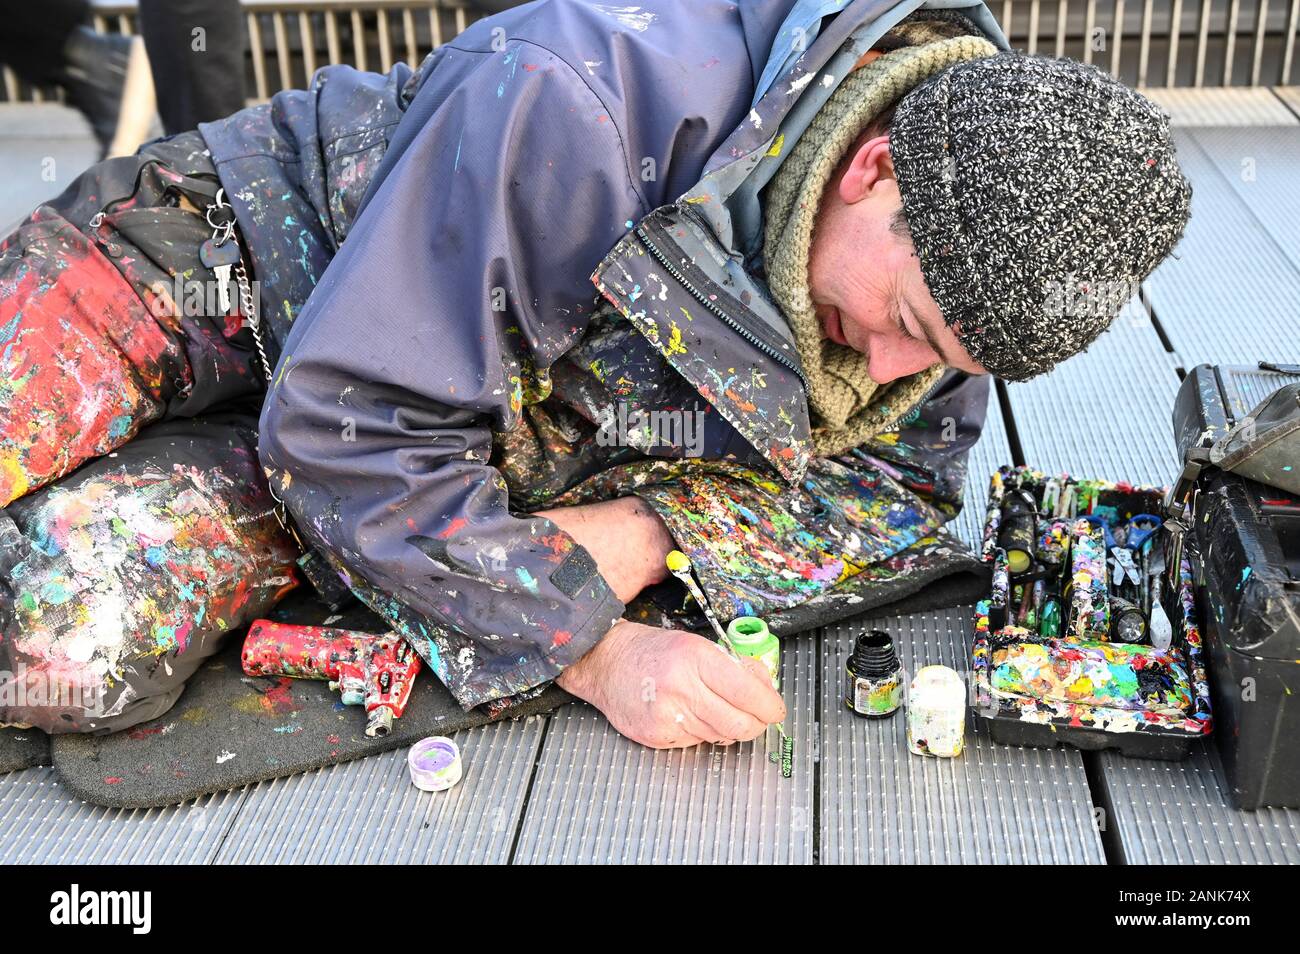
870 165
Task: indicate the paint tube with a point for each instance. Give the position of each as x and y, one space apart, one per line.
1034 599
873 686
1049 620
1089 493
1086 600
1000 593
1068 506
1053 542
1051 496
1019 522
936 713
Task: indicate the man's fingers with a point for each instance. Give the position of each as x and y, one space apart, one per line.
759 670
705 730
746 686
730 722
678 737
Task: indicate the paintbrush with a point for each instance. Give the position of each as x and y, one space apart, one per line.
679 565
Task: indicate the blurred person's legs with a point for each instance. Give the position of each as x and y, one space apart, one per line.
34 35
196 50
106 77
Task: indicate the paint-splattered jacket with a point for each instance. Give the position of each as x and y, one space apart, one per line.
455 368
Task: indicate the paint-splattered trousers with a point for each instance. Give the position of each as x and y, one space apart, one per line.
136 526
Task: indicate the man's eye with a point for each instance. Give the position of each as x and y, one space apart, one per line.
898 319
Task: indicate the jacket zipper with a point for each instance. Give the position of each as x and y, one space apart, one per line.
110 207
730 322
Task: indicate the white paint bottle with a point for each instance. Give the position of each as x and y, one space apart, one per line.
936 713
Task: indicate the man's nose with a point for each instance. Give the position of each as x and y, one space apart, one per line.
893 357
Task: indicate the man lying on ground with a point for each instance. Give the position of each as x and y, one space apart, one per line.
728 278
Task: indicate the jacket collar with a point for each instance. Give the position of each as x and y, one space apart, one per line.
682 275
713 324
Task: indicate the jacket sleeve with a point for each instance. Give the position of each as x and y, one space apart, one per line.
928 452
463 280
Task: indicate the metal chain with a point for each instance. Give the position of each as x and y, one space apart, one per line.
249 307
222 232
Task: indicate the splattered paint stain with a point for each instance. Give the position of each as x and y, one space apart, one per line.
134 572
634 18
1094 674
83 364
275 701
759 545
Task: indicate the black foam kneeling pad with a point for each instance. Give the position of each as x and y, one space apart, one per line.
229 730
23 748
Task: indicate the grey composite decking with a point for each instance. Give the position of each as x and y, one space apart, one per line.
995 804
599 797
368 811
1225 106
1229 295
567 787
1178 813
1290 97
1105 414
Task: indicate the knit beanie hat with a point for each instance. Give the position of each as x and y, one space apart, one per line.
848 407
1039 193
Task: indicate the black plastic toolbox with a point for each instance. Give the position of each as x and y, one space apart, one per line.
1244 541
1022 719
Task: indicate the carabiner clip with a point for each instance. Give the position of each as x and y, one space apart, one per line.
218 204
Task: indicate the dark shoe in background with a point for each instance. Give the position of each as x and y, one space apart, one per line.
106 77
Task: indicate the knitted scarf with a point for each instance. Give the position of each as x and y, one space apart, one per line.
847 407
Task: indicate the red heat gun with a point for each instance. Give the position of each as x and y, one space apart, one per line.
376 670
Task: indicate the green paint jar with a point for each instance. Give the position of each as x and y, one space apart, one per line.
749 636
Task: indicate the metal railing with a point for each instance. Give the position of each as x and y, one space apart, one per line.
1143 42
1164 42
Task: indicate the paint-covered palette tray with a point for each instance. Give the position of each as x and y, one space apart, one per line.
1084 640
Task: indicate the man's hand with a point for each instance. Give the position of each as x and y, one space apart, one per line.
668 688
625 537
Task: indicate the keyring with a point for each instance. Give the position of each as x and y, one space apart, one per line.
219 203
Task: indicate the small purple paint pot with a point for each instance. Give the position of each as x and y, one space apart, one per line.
434 764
